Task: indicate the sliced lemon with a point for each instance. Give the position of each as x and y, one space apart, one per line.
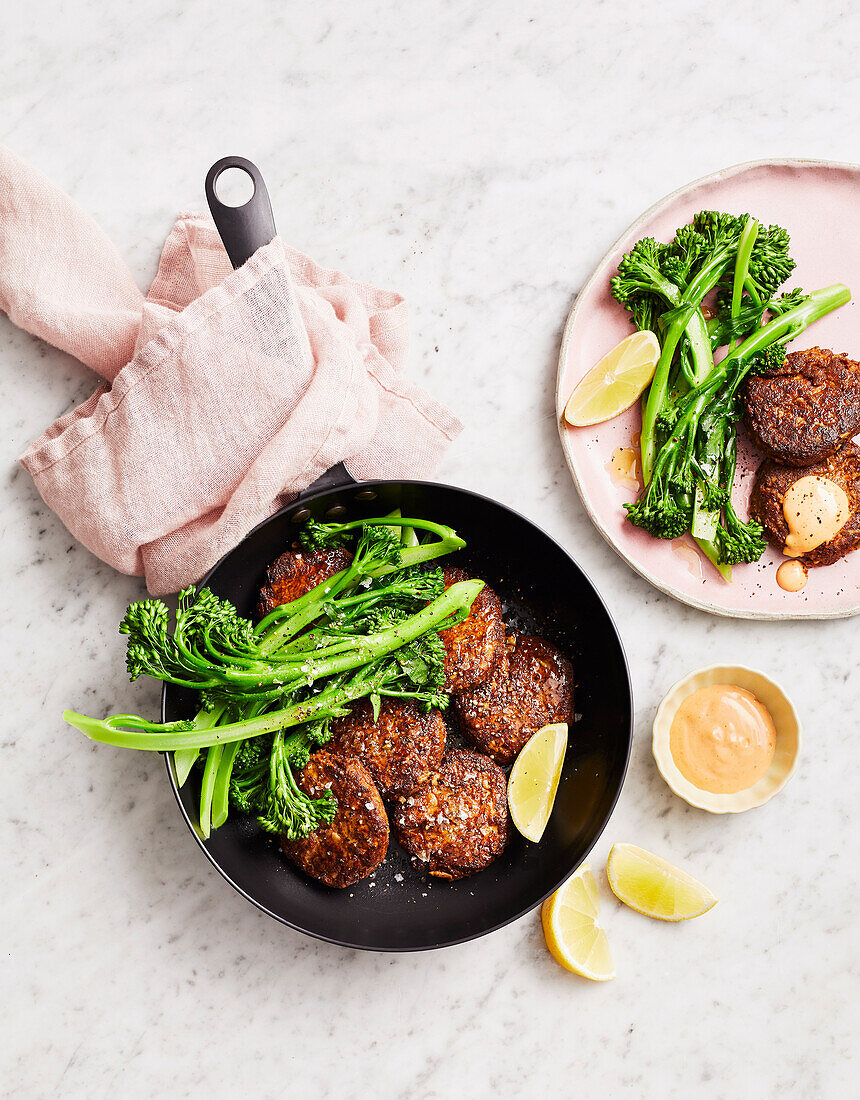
572 929
613 384
534 779
654 887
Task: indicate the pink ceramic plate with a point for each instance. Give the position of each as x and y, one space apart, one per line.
818 203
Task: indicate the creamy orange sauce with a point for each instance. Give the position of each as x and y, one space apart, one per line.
815 509
791 576
624 467
722 739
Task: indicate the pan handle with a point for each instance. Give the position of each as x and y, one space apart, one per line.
243 229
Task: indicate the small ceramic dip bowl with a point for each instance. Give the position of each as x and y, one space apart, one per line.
788 738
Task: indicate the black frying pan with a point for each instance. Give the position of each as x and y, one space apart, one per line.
542 590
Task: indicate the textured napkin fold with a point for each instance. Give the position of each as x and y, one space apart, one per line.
226 393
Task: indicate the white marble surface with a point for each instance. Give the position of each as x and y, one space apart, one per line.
479 157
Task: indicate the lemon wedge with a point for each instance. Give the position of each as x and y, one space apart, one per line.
534 779
654 887
613 384
572 930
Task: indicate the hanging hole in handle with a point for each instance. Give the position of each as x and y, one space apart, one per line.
234 187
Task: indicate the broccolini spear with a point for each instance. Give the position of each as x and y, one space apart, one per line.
664 509
693 264
721 432
738 542
378 552
190 654
268 693
381 663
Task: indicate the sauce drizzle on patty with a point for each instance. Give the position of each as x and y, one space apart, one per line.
815 509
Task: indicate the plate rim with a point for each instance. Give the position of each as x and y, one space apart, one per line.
301 500
653 579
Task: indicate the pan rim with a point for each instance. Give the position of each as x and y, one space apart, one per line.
301 500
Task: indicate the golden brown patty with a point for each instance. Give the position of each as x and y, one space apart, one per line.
355 843
806 409
457 823
773 481
297 572
474 646
535 688
399 751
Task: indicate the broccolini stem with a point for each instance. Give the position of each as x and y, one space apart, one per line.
130 731
221 786
183 761
789 324
691 321
213 759
127 731
742 264
653 403
709 548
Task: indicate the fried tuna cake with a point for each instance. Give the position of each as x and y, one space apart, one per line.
400 750
474 646
356 841
803 411
297 572
534 688
772 482
457 823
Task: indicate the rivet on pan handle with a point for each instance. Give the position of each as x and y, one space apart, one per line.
243 229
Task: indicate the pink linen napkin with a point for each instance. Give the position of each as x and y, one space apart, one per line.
227 392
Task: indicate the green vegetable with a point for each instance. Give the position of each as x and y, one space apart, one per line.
665 509
688 438
270 790
268 693
379 551
742 265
